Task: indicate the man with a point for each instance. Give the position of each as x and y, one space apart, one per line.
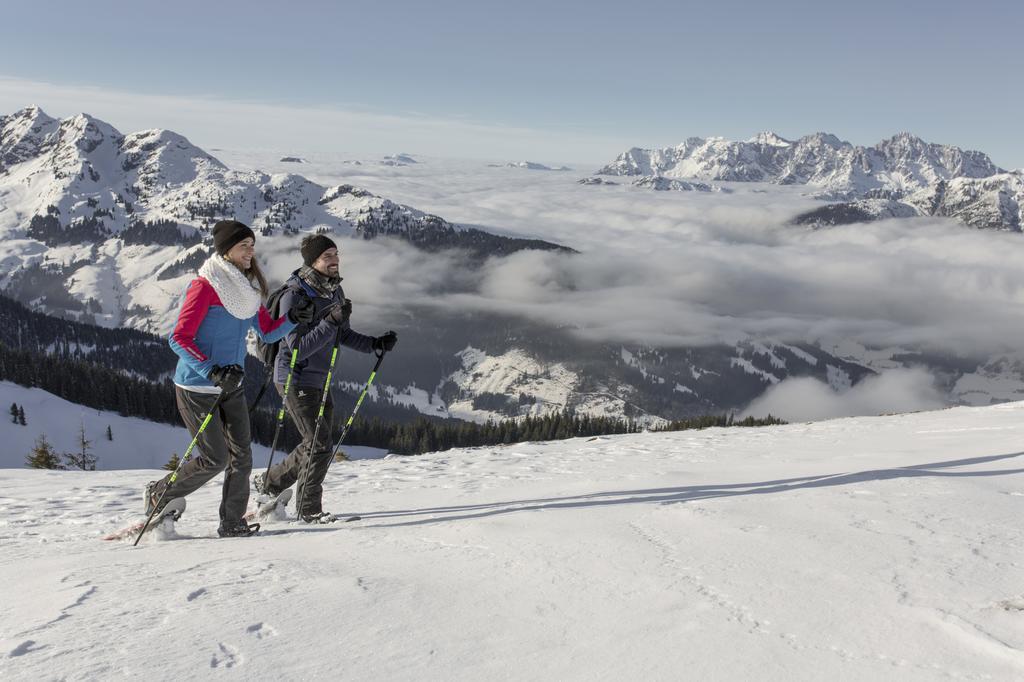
318 280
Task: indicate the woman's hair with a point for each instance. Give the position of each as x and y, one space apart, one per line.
256 275
253 274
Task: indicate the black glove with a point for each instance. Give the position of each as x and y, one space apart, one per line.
303 310
340 312
386 342
227 378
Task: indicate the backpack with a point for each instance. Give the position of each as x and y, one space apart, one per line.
267 352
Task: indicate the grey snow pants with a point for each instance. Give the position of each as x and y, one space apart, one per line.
223 446
303 404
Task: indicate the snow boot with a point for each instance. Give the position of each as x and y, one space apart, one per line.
328 517
237 529
319 517
152 495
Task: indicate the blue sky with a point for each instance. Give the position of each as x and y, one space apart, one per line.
551 81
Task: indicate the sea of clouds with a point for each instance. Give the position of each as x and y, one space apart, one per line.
679 269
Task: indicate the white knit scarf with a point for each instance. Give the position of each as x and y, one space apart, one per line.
235 290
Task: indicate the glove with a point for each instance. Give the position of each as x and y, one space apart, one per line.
340 312
227 378
302 311
386 342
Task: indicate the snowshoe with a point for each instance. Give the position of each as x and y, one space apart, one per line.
319 517
164 521
327 517
239 529
268 506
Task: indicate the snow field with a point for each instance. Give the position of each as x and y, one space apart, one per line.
856 549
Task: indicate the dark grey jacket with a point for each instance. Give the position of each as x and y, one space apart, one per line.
315 340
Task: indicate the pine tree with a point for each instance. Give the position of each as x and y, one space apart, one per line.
21 415
110 434
82 459
172 463
43 456
14 412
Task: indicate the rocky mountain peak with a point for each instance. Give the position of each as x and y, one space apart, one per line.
23 133
770 139
824 139
33 115
87 132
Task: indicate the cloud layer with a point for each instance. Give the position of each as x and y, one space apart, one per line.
807 399
683 269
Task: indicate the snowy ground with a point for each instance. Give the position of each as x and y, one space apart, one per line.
859 549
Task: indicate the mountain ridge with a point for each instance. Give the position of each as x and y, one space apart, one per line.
926 179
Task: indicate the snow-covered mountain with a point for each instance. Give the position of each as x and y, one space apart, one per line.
903 176
398 160
992 203
106 223
875 548
595 181
901 164
532 165
663 184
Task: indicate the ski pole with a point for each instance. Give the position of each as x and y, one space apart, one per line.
366 388
181 463
319 421
280 412
270 377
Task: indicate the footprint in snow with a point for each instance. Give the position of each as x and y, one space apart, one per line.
261 630
1013 605
226 656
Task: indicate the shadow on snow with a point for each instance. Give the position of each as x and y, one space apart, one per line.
690 493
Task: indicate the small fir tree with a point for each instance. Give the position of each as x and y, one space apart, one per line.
110 434
21 415
43 456
14 412
82 459
172 463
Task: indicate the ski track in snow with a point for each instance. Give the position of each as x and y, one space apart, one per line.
867 548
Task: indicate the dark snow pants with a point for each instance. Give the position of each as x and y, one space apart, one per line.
223 446
303 404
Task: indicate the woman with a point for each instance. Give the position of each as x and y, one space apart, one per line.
220 307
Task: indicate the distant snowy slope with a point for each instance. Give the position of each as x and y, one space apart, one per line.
136 444
862 549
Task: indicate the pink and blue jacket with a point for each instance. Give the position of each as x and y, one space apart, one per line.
207 334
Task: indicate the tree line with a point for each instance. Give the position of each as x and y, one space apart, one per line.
102 388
